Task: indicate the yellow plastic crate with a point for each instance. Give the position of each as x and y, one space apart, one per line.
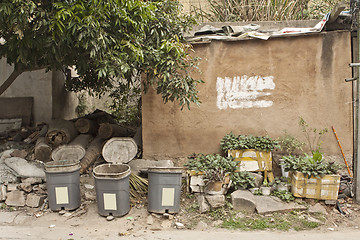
322 188
252 160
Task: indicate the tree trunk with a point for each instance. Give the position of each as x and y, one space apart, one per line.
107 130
61 132
73 151
84 125
92 153
42 150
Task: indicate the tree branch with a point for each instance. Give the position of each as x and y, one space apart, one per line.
13 77
10 80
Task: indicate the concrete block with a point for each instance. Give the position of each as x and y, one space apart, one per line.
32 180
203 204
12 187
26 187
215 201
15 198
243 200
258 179
2 193
197 183
34 200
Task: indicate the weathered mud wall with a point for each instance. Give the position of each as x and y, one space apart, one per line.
261 88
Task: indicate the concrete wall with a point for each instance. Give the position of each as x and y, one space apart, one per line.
191 5
47 88
261 88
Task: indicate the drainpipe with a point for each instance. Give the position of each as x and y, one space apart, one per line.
357 159
356 86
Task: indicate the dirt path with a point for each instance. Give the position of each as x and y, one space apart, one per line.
136 225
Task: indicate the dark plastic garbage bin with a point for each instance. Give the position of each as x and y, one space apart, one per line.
63 184
112 189
164 190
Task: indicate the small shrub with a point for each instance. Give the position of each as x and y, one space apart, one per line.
242 180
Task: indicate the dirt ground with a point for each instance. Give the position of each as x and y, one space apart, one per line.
86 223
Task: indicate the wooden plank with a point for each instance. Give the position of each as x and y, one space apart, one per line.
339 7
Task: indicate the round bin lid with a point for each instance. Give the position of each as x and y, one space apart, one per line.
109 170
62 166
119 150
68 152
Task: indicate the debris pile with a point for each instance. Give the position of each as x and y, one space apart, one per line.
24 152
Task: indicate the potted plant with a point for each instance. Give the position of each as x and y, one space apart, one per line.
215 170
311 174
253 153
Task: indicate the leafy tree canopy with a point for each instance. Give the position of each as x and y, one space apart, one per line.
110 43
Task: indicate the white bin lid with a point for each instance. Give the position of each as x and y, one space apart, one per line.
119 150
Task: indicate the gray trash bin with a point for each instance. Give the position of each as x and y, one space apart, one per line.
164 189
112 189
63 184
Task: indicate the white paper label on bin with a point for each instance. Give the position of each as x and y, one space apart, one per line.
168 196
110 201
61 195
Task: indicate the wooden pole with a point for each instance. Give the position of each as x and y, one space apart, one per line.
42 150
107 130
61 132
84 125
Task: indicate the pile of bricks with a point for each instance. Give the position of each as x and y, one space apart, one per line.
29 192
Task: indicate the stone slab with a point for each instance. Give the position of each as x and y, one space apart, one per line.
317 208
24 168
246 201
138 165
34 200
15 198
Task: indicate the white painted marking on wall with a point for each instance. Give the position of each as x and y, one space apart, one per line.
243 92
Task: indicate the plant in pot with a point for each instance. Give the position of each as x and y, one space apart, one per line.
216 171
311 174
253 153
